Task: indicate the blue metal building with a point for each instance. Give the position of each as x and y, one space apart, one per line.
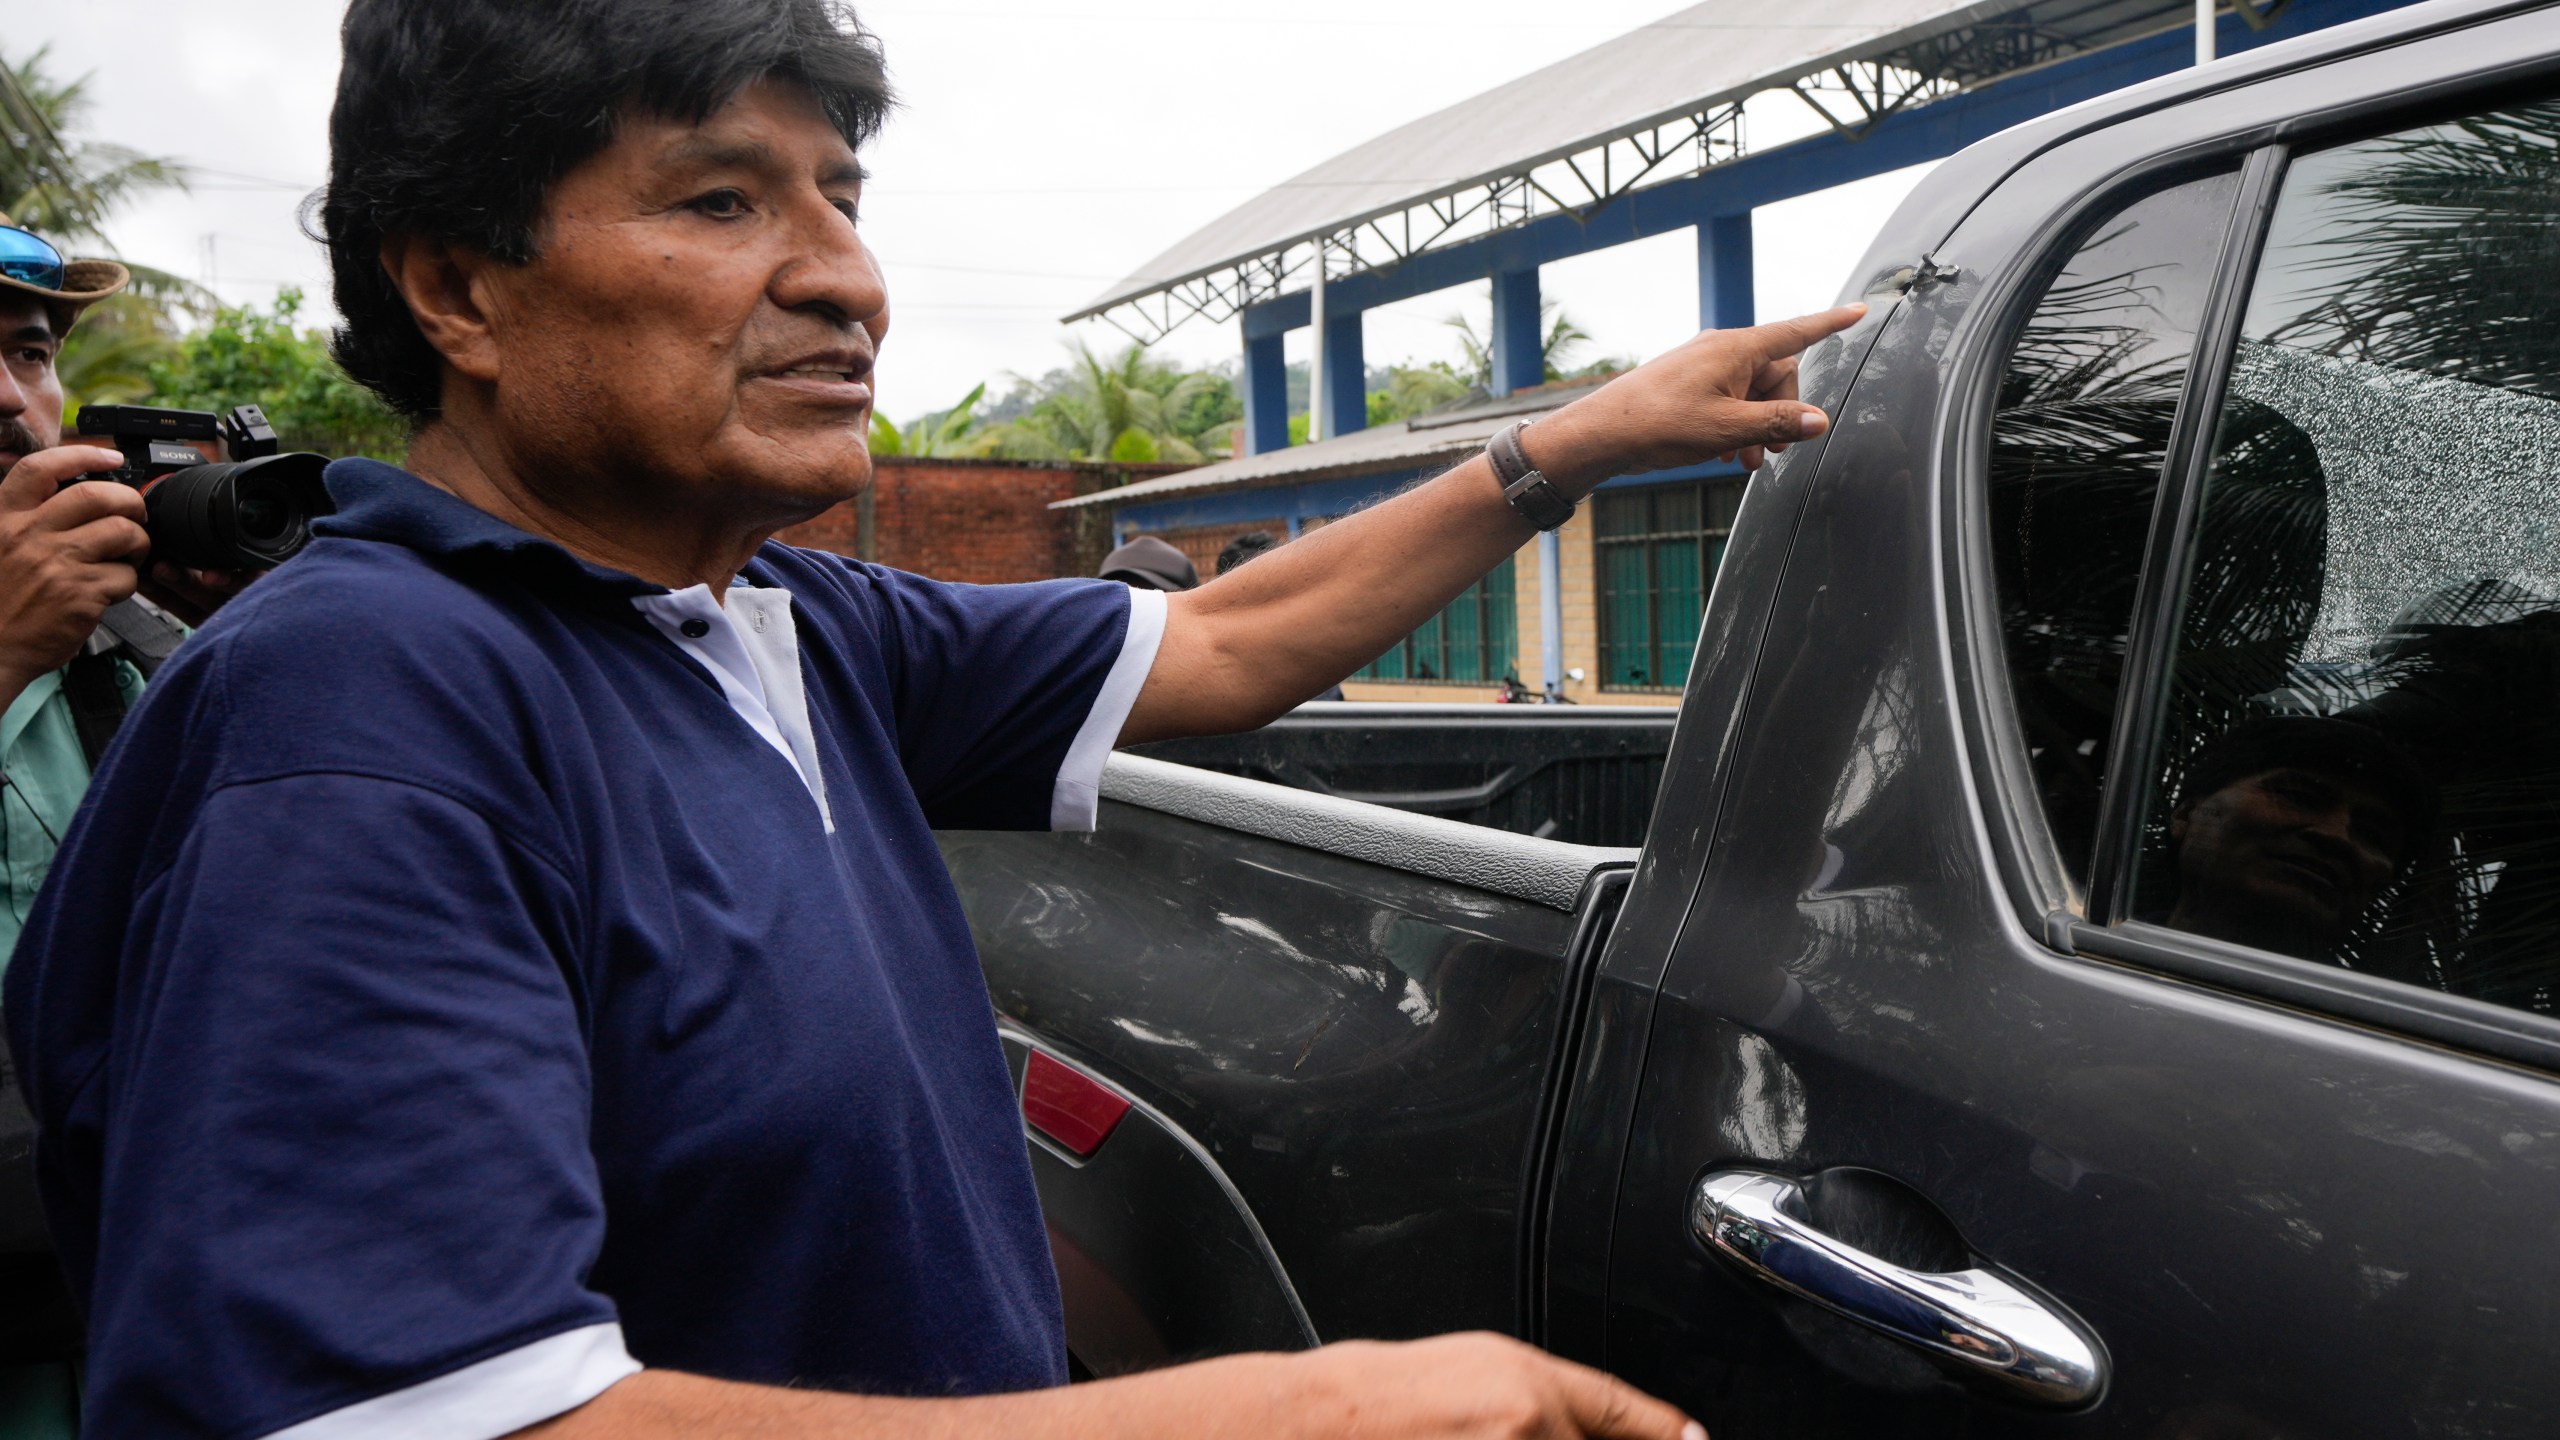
1641 136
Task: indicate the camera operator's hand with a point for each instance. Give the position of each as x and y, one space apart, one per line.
193 595
68 549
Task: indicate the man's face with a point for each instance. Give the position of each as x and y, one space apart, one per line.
30 391
702 319
2292 851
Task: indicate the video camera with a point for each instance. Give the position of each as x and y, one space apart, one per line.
252 511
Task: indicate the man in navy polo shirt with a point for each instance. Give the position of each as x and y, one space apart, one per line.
507 949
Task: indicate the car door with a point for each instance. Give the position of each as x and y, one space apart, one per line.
2117 999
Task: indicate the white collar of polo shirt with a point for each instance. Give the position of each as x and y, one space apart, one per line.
751 645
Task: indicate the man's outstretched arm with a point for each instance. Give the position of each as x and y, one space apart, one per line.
1457 1387
1242 651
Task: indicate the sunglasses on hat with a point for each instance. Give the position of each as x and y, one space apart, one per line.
29 258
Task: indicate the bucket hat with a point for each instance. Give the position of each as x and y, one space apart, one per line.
84 283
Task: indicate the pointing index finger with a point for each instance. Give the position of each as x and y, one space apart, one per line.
1781 338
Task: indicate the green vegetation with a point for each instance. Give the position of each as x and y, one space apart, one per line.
247 356
1561 340
108 359
939 433
1124 407
1130 409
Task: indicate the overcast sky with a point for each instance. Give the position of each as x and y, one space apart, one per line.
1044 149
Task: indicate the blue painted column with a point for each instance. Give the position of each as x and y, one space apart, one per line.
1346 371
1519 356
1724 272
1266 394
1550 616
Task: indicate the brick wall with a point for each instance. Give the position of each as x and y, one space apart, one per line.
1202 543
986 522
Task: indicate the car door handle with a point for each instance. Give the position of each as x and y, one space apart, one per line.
1984 1323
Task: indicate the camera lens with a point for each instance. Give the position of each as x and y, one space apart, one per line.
265 511
236 515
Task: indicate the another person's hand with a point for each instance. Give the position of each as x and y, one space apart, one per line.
1724 393
69 548
1456 1387
193 595
1474 1387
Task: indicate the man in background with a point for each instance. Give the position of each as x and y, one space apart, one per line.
75 644
69 550
1245 547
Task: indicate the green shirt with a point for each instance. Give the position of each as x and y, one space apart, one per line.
46 775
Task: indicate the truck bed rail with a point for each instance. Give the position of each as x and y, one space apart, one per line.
1545 872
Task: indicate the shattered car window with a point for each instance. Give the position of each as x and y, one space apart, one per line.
2361 757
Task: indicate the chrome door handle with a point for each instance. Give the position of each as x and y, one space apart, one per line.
1974 1317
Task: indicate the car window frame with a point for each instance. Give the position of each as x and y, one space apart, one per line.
2091 925
2030 853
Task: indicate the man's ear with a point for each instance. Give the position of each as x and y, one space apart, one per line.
445 285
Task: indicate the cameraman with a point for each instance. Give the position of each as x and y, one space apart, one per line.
74 645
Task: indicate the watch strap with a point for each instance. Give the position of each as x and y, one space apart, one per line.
1528 492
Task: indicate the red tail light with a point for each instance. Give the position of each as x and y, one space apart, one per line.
1069 1106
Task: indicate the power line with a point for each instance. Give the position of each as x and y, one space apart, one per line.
235 180
1267 19
978 270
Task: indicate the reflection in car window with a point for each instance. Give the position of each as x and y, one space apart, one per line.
2361 760
2078 445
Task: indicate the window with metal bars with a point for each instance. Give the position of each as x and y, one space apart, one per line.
1656 550
1475 641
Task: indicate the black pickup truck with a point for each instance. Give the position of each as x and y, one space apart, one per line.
2083 962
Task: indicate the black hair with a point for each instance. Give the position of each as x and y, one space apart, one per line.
1250 545
455 117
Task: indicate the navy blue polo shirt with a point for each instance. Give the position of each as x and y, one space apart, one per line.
447 1000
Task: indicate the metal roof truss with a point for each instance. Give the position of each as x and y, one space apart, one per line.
1852 98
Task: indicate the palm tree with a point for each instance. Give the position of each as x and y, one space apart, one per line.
2439 245
1418 390
941 433
1561 339
107 358
1124 408
64 187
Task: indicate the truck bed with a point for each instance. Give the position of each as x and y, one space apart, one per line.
1585 774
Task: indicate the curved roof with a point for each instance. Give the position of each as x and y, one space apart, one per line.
1700 57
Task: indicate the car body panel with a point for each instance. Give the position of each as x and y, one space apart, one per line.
1159 1258
1365 1051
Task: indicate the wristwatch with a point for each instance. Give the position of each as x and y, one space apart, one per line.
1532 494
